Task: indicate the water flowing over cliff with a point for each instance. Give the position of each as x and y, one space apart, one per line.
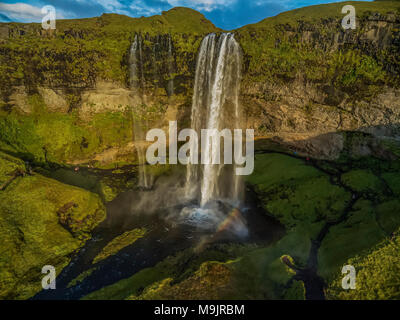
139 122
215 106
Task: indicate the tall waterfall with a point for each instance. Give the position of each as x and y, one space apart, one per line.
215 106
136 78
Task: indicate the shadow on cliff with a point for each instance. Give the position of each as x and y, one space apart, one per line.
382 142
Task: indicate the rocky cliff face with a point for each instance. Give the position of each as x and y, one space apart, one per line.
66 95
313 80
306 81
308 86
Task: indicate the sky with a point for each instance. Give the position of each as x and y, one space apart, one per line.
226 14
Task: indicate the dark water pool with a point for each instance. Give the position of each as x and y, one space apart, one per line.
165 237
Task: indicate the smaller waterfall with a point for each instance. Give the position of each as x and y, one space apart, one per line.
170 86
133 65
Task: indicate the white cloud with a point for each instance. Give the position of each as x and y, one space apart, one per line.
114 6
25 12
139 7
21 11
204 5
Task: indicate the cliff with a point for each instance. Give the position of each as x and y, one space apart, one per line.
308 87
308 79
307 83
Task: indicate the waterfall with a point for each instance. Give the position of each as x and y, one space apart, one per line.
215 105
136 83
133 64
170 86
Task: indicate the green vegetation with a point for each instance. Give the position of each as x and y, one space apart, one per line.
220 272
118 243
295 192
359 232
296 291
289 47
393 181
377 270
32 207
211 281
179 267
363 181
81 51
388 215
293 45
81 277
9 166
286 184
59 138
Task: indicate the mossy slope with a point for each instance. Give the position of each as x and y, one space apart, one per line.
377 274
42 222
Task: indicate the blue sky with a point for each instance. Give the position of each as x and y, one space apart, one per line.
226 14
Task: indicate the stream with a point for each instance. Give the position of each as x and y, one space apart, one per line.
164 238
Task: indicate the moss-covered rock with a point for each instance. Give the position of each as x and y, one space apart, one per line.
363 181
218 273
393 181
359 232
80 278
63 138
120 242
80 51
10 168
42 223
298 42
212 281
295 192
388 215
377 274
296 291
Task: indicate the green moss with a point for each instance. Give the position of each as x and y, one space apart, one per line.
388 215
179 268
8 167
275 169
363 181
229 280
80 51
124 288
296 291
377 274
109 193
211 281
393 181
295 192
393 145
80 278
262 274
258 273
118 243
42 223
280 48
60 138
358 232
